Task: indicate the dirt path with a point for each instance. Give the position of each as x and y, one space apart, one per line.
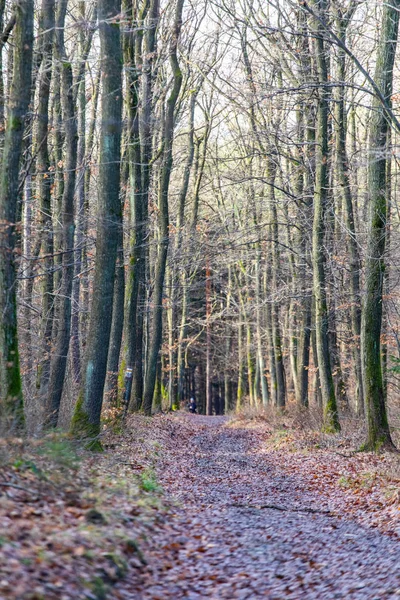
245 529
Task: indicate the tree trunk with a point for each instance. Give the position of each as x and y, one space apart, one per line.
81 201
45 181
377 424
344 182
58 165
145 133
305 186
276 328
331 419
86 418
168 132
208 339
11 400
59 361
260 348
241 388
132 50
2 107
270 339
117 327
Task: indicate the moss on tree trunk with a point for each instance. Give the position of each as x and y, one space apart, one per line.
378 433
86 419
11 399
331 419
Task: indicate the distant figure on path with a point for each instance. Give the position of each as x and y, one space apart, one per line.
192 406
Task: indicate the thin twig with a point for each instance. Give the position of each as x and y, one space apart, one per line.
14 485
282 508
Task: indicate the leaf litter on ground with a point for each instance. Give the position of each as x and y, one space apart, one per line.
185 506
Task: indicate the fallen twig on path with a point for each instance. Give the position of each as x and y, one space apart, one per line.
282 508
14 485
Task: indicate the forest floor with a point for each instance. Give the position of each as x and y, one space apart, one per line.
186 506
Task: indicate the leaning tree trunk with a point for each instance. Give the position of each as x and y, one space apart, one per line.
11 400
377 423
331 419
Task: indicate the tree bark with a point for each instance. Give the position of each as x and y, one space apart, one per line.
86 418
378 432
132 51
117 326
81 201
145 133
343 168
11 400
45 181
59 361
280 398
331 419
168 131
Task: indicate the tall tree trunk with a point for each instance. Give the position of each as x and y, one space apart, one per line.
260 348
377 424
58 164
132 50
276 328
11 400
59 361
86 418
228 396
270 339
81 201
304 188
145 133
182 335
331 419
344 182
117 327
176 352
28 283
208 339
168 132
241 387
45 181
83 325
2 107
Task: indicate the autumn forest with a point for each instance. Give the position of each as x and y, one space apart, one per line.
199 204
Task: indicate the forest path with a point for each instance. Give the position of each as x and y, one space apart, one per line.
245 528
